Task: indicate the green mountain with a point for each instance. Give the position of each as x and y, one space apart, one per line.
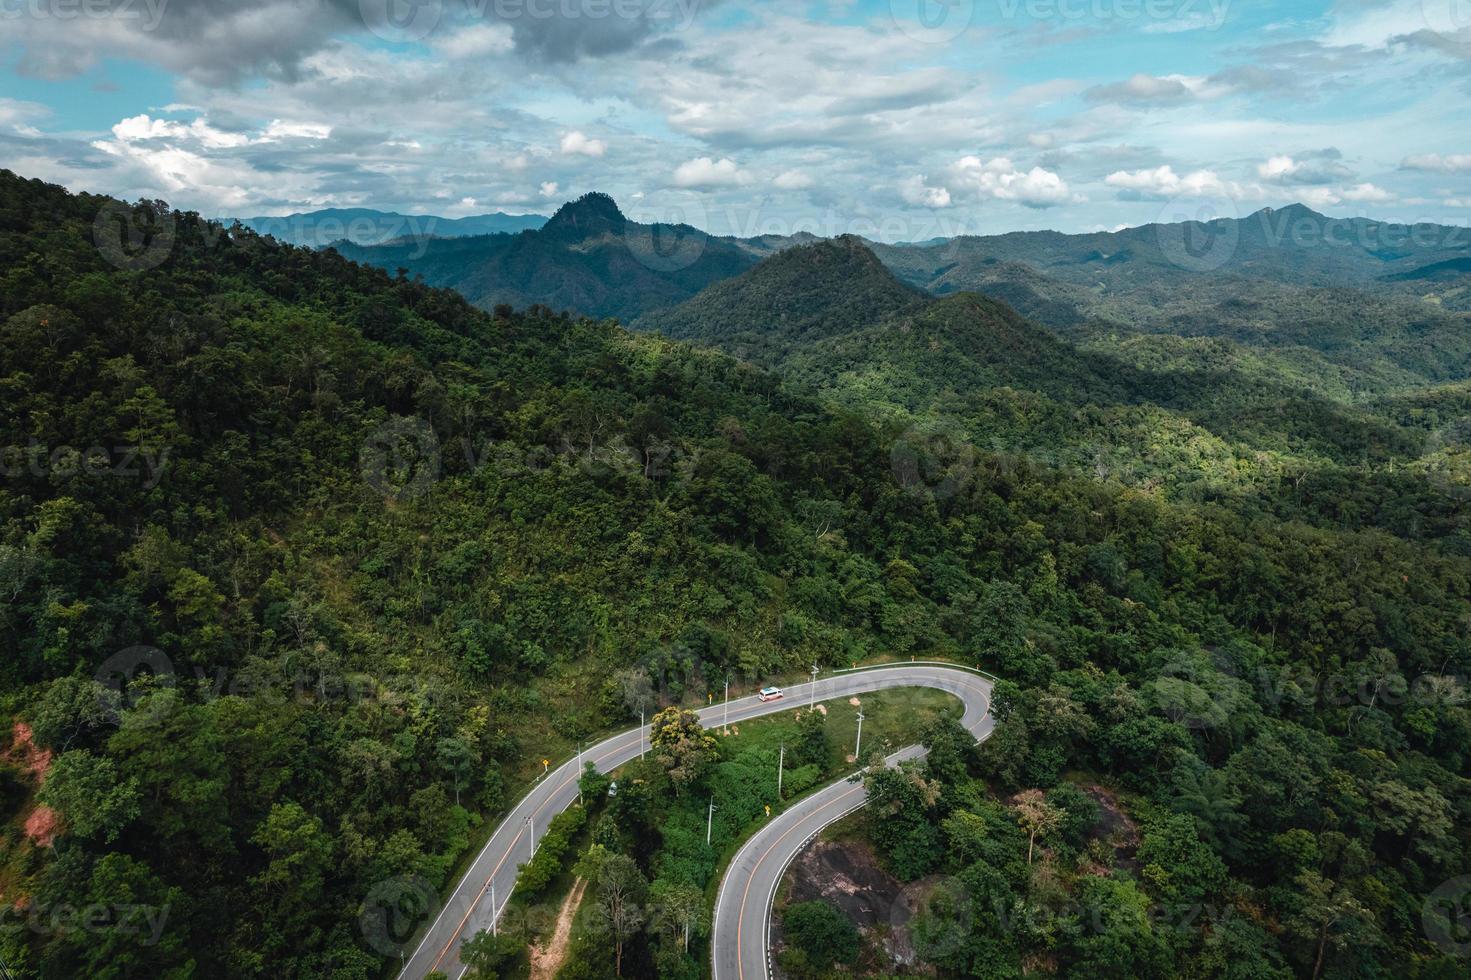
366 226
588 258
308 566
1291 281
1195 419
797 296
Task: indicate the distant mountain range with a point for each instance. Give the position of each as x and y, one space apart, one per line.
588 258
365 226
1351 306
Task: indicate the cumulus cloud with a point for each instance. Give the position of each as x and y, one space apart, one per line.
1163 184
1365 193
1321 167
916 192
705 172
145 127
576 143
999 178
279 129
793 180
549 188
1458 163
476 41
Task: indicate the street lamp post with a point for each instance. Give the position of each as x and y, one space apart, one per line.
858 746
813 687
579 774
709 821
725 725
780 762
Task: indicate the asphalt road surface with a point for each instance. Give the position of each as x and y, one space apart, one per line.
744 904
740 939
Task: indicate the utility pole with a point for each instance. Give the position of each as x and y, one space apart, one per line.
780 762
709 821
859 744
725 725
813 687
531 822
493 910
641 733
579 774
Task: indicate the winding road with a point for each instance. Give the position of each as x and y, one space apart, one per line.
743 907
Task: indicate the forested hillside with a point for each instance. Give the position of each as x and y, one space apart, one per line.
1194 419
386 551
1383 300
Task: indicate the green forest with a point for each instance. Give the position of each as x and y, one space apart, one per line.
308 564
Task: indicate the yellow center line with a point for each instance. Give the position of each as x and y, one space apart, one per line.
745 894
640 732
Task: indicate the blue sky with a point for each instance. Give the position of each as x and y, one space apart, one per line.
898 119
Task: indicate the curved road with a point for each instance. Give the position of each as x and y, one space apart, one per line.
493 873
739 941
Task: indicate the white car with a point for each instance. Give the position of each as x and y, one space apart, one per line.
770 693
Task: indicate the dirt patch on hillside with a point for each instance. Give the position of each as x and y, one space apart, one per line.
547 960
1114 827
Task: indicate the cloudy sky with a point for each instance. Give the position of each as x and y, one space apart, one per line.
900 119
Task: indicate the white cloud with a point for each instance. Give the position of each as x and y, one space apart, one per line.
999 178
579 144
1367 193
1163 90
280 129
1458 163
793 180
476 40
1359 193
549 188
705 172
145 127
917 193
1162 183
1321 167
